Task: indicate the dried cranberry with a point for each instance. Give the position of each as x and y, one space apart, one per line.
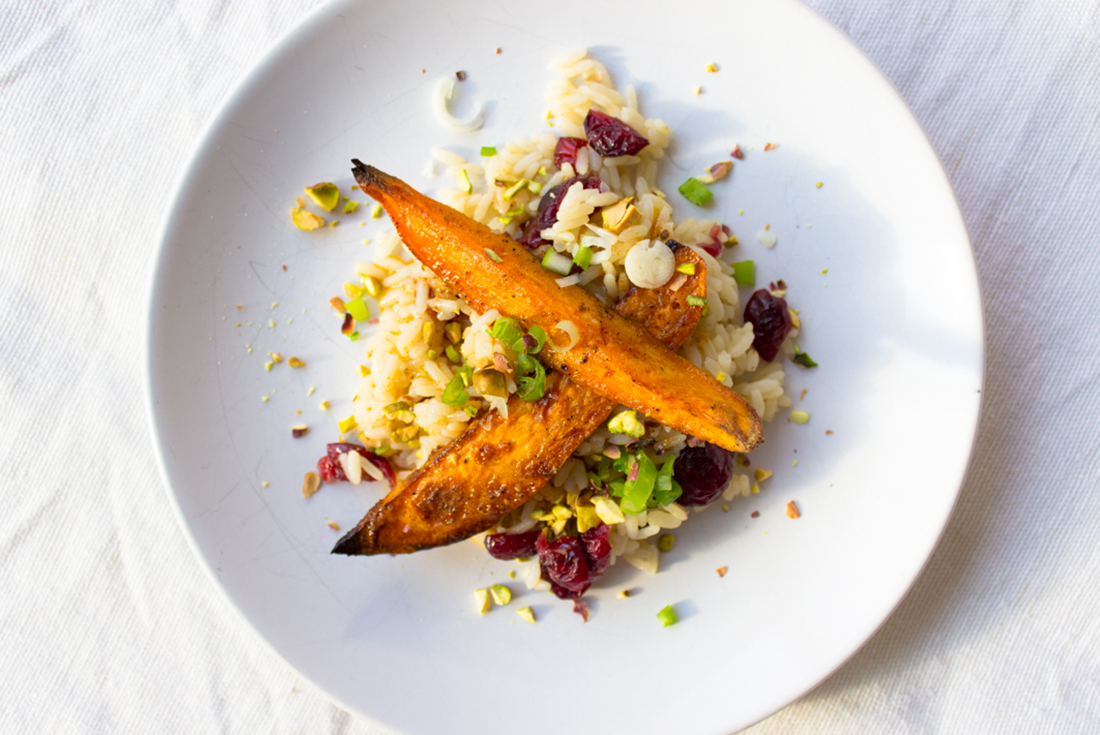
609 136
597 544
548 210
771 322
330 469
567 149
509 546
718 235
703 473
565 563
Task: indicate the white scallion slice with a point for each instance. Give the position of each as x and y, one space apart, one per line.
571 331
441 101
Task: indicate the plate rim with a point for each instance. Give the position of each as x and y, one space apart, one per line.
189 171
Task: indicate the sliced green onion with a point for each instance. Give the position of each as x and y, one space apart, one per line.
540 336
533 388
686 268
745 273
804 360
507 331
636 492
535 187
487 151
556 262
667 616
453 354
583 258
470 411
695 192
515 188
694 300
350 207
493 255
358 309
353 336
455 393
464 182
666 490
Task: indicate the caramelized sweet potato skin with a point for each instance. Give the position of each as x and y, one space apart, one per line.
500 463
614 356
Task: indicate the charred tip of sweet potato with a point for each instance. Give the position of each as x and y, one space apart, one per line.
368 177
351 544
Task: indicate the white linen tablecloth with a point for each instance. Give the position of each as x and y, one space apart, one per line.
109 622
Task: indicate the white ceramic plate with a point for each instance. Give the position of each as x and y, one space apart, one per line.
895 324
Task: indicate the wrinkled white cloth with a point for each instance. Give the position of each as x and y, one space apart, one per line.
110 624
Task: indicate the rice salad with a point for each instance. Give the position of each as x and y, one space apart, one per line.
613 233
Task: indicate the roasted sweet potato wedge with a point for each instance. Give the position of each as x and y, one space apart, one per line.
613 357
500 463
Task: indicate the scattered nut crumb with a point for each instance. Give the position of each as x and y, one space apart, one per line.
828 432
762 474
461 76
737 153
624 594
265 483
697 91
770 146
481 596
722 571
334 525
754 514
712 67
818 184
312 388
284 269
725 507
527 614
295 362
325 405
497 51
310 484
802 395
298 431
423 71
275 357
582 609
792 510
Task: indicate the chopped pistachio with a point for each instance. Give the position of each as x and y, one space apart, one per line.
268 364
756 488
712 67
395 407
501 594
325 194
482 598
348 424
626 422
304 220
527 614
338 303
795 321
688 268
376 212
295 362
666 542
491 383
608 510
364 371
298 431
762 474
620 215
325 405
492 254
350 207
818 184
512 574
275 357
351 290
623 594
800 417
404 435
587 517
334 525
453 330
372 286
514 189
311 389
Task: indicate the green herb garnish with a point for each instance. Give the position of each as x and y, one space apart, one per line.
745 273
487 151
358 309
556 262
696 192
493 255
667 616
453 354
583 258
532 388
455 394
804 360
636 492
666 490
540 336
507 331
